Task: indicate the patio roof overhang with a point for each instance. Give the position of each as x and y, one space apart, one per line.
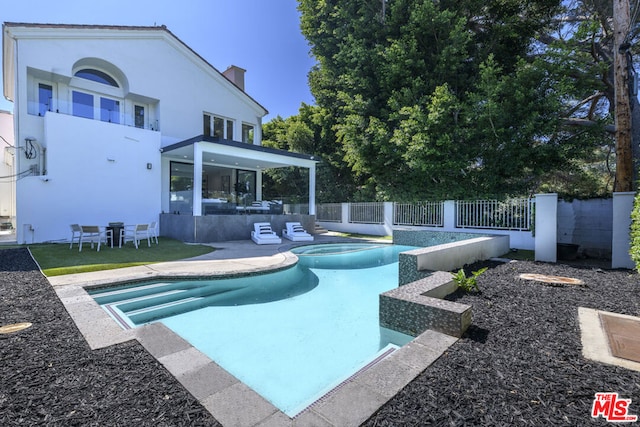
237 155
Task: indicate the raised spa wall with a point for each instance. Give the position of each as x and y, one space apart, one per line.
425 279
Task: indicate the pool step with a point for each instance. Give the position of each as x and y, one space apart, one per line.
163 306
137 292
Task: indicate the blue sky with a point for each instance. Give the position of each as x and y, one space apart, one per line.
261 36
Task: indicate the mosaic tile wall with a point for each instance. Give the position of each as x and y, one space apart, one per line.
427 238
409 310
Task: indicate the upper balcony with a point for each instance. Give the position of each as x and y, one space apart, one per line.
124 112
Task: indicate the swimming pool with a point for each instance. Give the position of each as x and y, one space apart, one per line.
292 335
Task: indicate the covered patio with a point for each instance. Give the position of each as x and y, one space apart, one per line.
212 189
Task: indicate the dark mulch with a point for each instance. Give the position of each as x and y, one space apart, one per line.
520 363
50 376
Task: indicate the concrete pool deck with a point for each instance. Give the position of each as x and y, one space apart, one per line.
230 401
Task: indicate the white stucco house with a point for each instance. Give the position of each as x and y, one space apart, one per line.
129 124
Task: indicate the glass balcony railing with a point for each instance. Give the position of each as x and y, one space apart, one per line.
100 114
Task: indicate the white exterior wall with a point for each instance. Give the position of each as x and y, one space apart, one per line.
7 185
95 171
98 178
157 67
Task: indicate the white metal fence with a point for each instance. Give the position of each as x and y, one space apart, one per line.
366 213
420 213
512 214
329 212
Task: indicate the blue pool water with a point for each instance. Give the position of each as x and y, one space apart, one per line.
292 335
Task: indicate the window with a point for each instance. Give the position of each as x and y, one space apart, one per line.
206 125
138 111
97 76
109 110
45 98
181 187
246 184
216 126
82 105
247 133
230 130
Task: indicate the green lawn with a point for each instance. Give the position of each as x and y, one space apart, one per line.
57 259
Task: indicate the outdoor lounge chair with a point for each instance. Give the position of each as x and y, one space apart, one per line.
93 233
135 233
262 234
296 232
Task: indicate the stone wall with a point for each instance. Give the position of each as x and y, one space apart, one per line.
417 306
221 228
420 263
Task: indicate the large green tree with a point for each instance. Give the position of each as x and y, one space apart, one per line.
309 132
453 98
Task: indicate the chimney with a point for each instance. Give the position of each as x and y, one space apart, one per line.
235 75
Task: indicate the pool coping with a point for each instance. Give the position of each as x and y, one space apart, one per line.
230 401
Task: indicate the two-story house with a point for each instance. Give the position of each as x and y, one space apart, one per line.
129 124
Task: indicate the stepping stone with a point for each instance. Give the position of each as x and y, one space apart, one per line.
553 280
623 336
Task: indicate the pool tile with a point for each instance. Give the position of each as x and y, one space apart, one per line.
184 361
278 420
437 341
160 340
353 405
206 380
310 419
388 376
238 405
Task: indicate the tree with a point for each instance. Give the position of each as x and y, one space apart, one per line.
406 93
308 133
466 98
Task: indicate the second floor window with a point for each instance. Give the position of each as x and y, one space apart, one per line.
217 126
82 104
45 98
139 116
97 76
109 110
247 133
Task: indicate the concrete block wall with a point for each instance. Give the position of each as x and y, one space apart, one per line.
587 223
417 306
419 263
221 228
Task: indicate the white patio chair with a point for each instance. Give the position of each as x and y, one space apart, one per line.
296 232
75 229
262 234
93 233
135 233
153 231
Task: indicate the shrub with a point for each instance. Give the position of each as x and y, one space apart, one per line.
635 232
468 283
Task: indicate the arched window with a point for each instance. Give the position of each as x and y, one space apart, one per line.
96 76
